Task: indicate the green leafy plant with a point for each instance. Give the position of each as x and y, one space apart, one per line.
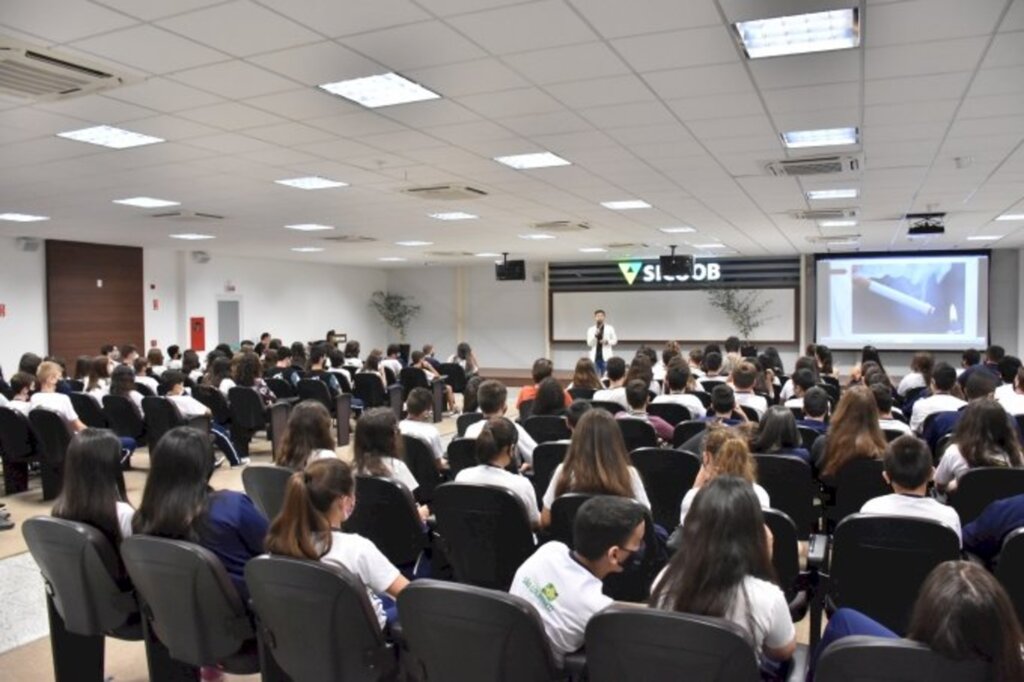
745 309
396 310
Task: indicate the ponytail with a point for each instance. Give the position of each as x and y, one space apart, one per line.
302 529
733 459
497 435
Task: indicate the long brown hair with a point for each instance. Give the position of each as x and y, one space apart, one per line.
853 432
376 437
585 375
309 429
729 454
962 612
596 461
93 482
983 431
302 529
100 370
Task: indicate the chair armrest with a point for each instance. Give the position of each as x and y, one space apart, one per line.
394 398
575 665
817 551
200 424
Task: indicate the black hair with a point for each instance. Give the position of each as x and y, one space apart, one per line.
172 377
174 351
1008 367
732 344
678 377
223 348
604 522
542 369
29 363
22 380
908 461
995 353
599 311
804 379
776 362
498 434
883 398
122 381
636 394
352 349
979 385
712 361
576 410
462 351
944 376
971 357
177 490
284 353
419 401
776 431
550 398
816 402
93 482
393 349
615 368
189 361
491 396
317 354
723 400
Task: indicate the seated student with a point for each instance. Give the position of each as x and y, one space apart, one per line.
973 365
641 367
743 379
495 447
99 377
789 388
352 355
92 487
246 371
549 399
585 375
1012 400
372 366
542 369
155 363
908 469
983 537
190 367
726 570
803 381
596 462
29 363
128 355
636 396
419 423
283 368
465 358
377 450
853 433
723 407
178 503
492 397
338 368
393 359
299 360
22 385
816 408
188 407
307 437
218 374
615 370
823 356
695 361
712 365
920 375
141 368
777 434
980 385
961 612
47 398
883 401
83 364
429 357
941 398
317 369
1009 366
983 438
419 361
678 381
317 502
174 356
574 414
565 585
122 383
725 454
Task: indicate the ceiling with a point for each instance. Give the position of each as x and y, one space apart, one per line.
649 99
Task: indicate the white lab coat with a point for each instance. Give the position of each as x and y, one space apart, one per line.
610 339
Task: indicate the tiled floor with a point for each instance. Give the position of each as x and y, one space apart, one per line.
23 600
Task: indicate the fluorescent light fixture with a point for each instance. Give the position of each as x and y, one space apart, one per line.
625 205
307 249
109 136
487 254
453 215
824 194
147 202
309 227
714 245
1011 216
837 223
985 237
414 242
22 217
191 236
391 259
800 33
530 161
824 137
537 236
311 182
593 249
683 229
382 90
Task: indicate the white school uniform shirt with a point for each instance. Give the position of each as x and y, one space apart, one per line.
425 432
3 400
525 445
400 472
942 402
226 385
909 382
953 465
636 483
149 382
687 400
188 406
485 474
1004 391
321 454
795 402
565 594
929 508
612 395
1012 402
787 390
395 365
360 556
125 514
54 402
102 389
894 425
684 508
136 399
22 406
758 403
609 337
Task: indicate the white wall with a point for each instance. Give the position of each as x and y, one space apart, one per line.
23 295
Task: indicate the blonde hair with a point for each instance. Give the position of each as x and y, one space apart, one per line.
48 369
729 454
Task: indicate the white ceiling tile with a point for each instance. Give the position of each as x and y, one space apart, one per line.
171 127
229 143
234 79
303 104
769 144
601 92
615 19
1014 19
444 8
699 81
715 106
710 128
220 26
289 134
402 141
989 126
520 28
511 103
812 98
60 21
362 122
147 10
916 88
334 19
900 23
679 49
918 131
231 116
816 119
910 112
39 121
462 133
813 69
546 124
324 62
919 59
999 105
567 63
431 113
96 108
632 114
150 49
280 156
163 94
468 78
415 46
1007 49
997 82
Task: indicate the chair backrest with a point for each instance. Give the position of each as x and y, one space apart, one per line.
54 436
581 393
266 486
636 645
279 414
161 416
857 482
247 411
879 563
124 419
525 410
316 620
831 387
673 413
979 487
546 458
420 459
785 550
486 532
410 378
1010 569
454 376
703 396
750 413
892 434
637 433
81 570
386 514
667 475
77 385
368 388
791 488
464 421
808 436
17 441
608 405
144 389
89 411
215 401
684 431
462 632
281 388
547 427
461 454
389 376
189 599
314 389
859 658
563 513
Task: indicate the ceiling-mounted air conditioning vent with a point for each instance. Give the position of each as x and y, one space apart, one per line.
187 216
38 74
817 165
826 214
448 254
349 239
626 245
834 239
560 226
446 192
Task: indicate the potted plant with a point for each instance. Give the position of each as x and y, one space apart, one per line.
397 311
745 309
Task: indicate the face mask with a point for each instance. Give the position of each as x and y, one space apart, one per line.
635 559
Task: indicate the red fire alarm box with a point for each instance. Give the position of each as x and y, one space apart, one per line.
197 326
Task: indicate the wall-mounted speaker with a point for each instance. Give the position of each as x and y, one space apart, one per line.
28 244
201 257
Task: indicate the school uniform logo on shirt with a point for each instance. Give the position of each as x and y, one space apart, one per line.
545 595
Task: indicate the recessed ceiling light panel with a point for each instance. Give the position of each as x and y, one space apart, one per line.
23 217
536 236
109 136
823 137
625 205
414 242
683 229
985 237
147 202
191 236
311 182
382 90
1011 216
307 249
825 194
454 215
800 33
309 227
593 249
531 161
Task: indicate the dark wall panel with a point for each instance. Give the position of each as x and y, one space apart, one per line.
94 296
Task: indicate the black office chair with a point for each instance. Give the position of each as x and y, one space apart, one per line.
637 433
144 389
215 401
831 387
462 632
370 390
667 475
608 405
1010 569
673 413
77 385
316 621
279 413
314 389
266 486
879 562
18 447
389 376
421 462
281 388
454 376
160 416
703 396
797 585
546 458
857 482
190 604
465 420
752 415
979 487
791 488
582 393
546 427
386 514
891 434
461 455
525 410
486 533
563 513
859 658
626 644
54 437
808 436
248 415
124 418
89 411
684 431
410 378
